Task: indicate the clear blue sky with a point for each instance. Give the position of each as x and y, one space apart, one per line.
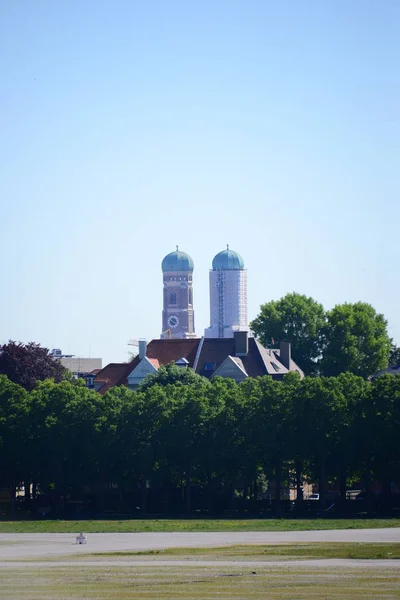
128 127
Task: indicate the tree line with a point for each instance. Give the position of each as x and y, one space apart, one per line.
349 338
190 442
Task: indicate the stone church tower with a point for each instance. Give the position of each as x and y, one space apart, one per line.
178 313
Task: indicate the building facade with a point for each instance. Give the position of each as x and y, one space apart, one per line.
228 295
237 357
178 313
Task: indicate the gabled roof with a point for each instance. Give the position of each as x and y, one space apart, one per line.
167 351
159 352
114 374
212 353
231 367
154 362
215 350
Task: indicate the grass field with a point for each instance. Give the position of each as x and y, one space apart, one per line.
188 583
270 552
155 525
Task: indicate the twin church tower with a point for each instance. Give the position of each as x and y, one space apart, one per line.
228 296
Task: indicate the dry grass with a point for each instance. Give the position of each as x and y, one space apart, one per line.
161 583
305 550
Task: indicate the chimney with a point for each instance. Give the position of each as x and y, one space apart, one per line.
241 343
285 354
142 349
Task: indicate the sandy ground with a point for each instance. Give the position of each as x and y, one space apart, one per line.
17 547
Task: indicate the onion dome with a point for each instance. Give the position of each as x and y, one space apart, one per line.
177 261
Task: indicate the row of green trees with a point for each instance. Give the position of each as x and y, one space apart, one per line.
349 338
175 433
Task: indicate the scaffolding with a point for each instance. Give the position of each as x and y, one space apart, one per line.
221 308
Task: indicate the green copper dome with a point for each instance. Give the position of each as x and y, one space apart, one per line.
228 260
177 261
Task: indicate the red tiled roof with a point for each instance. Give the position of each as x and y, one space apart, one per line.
154 361
115 374
258 361
167 351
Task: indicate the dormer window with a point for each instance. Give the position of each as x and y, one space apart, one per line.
182 362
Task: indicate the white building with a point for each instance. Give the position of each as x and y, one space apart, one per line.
228 295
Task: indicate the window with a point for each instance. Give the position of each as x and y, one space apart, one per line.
182 362
210 366
275 366
172 298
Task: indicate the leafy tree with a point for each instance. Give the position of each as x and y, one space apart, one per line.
14 420
345 464
232 444
383 426
297 319
356 340
319 407
26 364
171 374
394 357
63 422
269 428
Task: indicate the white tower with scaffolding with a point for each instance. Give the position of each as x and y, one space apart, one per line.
228 295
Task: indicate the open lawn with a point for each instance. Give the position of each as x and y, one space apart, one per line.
194 525
191 582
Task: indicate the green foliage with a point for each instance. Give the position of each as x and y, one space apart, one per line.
26 364
394 356
202 435
14 421
350 337
171 374
297 319
356 340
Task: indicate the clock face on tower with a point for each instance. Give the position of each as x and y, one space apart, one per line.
173 321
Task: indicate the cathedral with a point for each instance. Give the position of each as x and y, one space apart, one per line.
225 350
228 296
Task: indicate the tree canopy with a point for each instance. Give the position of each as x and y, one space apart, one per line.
350 337
25 364
356 340
172 374
394 357
297 319
212 446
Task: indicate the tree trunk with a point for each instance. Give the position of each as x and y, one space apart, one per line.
278 485
368 487
343 483
299 487
386 492
232 497
13 492
322 486
255 494
188 488
27 489
143 489
121 498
